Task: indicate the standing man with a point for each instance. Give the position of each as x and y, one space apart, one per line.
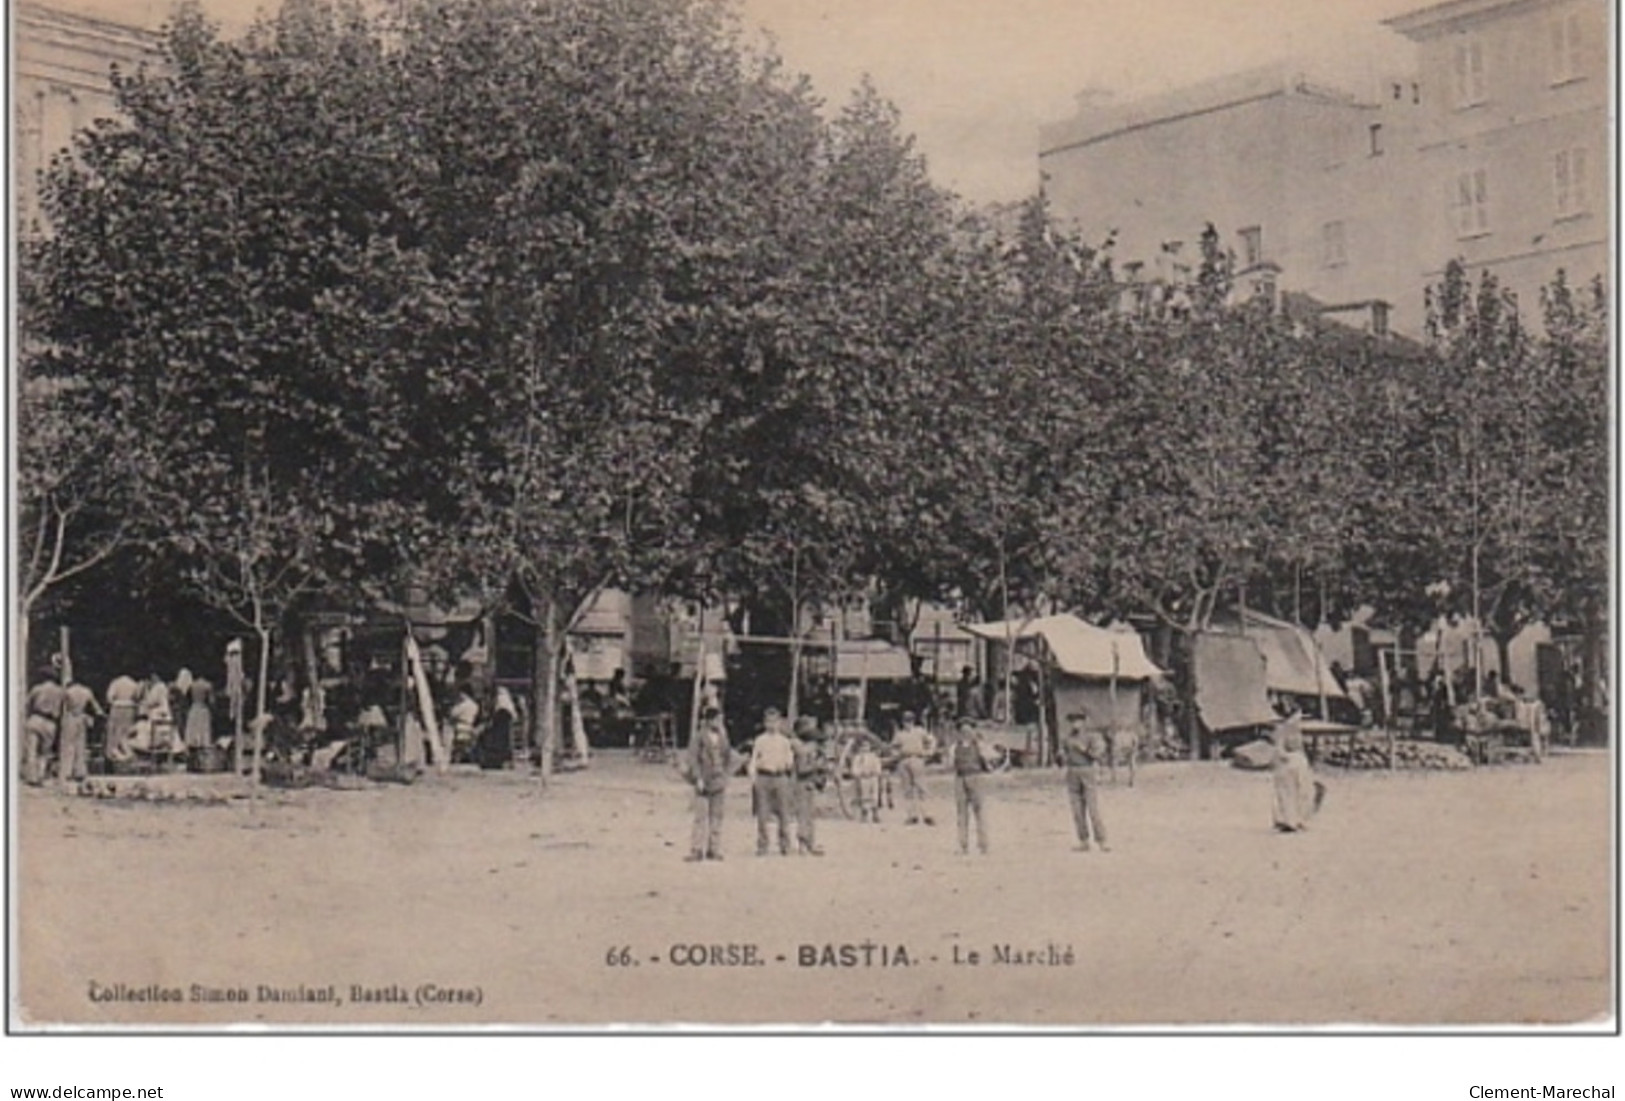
772 763
970 763
465 721
123 697
810 767
866 774
968 696
913 744
710 762
78 705
1083 751
44 712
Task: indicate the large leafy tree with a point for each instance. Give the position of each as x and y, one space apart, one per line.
1189 511
1482 407
77 502
796 476
1008 471
1573 550
604 192
224 270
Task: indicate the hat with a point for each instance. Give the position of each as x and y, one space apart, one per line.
771 713
908 716
965 723
806 725
709 713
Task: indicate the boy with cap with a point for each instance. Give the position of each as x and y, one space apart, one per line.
913 744
708 766
809 766
970 763
866 771
1083 751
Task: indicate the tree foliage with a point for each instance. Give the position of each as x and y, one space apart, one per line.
525 298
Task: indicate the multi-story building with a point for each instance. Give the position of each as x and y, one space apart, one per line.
1287 171
1494 149
63 57
1513 140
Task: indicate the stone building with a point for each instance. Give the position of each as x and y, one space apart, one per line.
1493 148
1283 169
63 55
1513 140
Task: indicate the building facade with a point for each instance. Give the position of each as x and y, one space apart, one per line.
62 61
1493 148
1513 140
1281 167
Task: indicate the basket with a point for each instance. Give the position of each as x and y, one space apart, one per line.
206 758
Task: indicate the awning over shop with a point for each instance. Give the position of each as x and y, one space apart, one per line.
1293 662
871 659
1230 678
1078 648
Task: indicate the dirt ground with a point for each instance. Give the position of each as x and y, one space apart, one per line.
1415 898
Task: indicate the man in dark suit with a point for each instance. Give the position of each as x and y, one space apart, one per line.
708 766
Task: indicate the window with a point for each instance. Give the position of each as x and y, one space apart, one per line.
1264 290
1566 45
1469 72
1252 246
1472 203
1333 245
1379 318
1569 178
1375 132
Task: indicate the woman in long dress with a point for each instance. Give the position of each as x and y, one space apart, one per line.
160 718
1296 798
199 729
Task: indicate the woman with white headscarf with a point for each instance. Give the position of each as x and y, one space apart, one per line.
1297 792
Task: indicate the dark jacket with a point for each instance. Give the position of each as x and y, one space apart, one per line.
968 757
710 761
1084 749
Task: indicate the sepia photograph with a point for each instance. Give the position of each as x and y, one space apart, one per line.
1070 516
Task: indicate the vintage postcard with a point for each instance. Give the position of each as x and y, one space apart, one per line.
546 515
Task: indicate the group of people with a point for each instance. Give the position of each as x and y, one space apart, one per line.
787 765
1450 707
159 720
155 717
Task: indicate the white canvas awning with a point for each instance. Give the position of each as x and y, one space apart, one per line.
1293 661
1077 647
871 659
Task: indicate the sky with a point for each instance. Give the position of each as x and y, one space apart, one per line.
975 79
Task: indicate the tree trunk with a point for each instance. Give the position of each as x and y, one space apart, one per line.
1592 721
24 620
264 634
792 707
1183 651
1503 655
1162 645
544 679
